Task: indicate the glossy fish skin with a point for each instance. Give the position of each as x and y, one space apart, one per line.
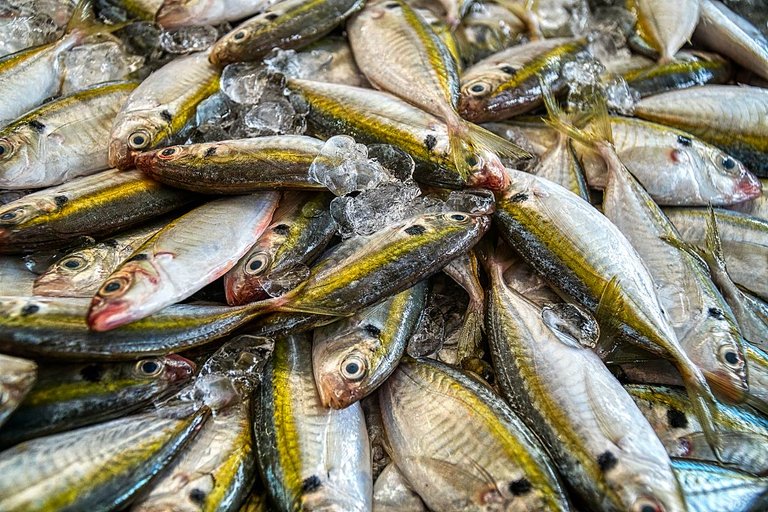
460 446
181 258
744 240
487 30
17 376
731 35
757 207
701 318
507 83
62 139
301 228
757 365
81 272
353 356
101 467
676 168
51 327
288 24
311 458
669 412
161 106
89 206
66 397
560 165
595 433
711 487
15 277
391 493
727 116
183 13
666 26
239 166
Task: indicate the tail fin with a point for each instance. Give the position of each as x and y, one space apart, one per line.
598 132
83 23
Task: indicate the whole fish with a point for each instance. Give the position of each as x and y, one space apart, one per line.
731 35
724 115
666 26
353 356
420 69
62 139
507 83
17 376
66 397
181 258
595 433
311 457
15 277
161 106
237 166
391 493
92 206
711 487
376 117
183 13
101 467
744 242
287 24
301 228
669 412
81 272
460 446
674 167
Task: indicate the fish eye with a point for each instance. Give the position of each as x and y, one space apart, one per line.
257 264
458 217
149 367
114 286
9 215
730 357
645 504
684 141
239 35
479 89
6 149
353 367
168 152
728 163
14 216
139 139
392 5
73 262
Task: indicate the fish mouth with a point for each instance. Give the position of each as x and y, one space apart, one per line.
335 393
53 286
492 176
143 160
105 316
238 294
179 368
472 109
749 187
727 386
120 156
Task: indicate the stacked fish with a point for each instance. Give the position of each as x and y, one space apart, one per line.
388 255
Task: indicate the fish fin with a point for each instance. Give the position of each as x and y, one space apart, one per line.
688 248
628 353
757 403
714 247
704 404
605 315
598 132
471 333
84 23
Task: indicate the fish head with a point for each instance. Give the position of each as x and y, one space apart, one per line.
20 150
488 171
172 368
70 275
124 296
485 95
135 132
730 178
243 284
236 45
177 13
722 359
345 366
148 161
20 213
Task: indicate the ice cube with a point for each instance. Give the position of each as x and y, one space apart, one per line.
244 83
271 117
306 64
279 283
343 166
620 97
189 39
91 64
24 31
374 209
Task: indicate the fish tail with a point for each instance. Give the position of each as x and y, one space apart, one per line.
83 23
596 134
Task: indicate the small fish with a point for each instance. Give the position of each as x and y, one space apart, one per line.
711 487
353 356
665 25
183 13
161 106
66 397
181 258
62 139
723 115
460 446
312 458
101 467
92 206
301 228
392 493
239 166
287 24
17 376
507 83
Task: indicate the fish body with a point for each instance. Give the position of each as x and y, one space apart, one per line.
666 26
15 277
17 376
757 366
709 487
391 493
182 13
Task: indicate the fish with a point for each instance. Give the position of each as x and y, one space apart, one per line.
62 139
675 167
163 104
70 396
181 258
301 229
743 238
665 26
353 356
757 206
507 83
15 278
92 206
377 117
421 71
183 13
239 166
460 446
596 434
101 467
669 412
287 24
757 365
391 493
709 487
560 165
723 115
464 271
17 377
311 457
726 32
81 272
486 29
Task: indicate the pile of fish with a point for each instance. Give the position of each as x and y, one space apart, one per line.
389 255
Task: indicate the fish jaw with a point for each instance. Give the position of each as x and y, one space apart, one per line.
105 314
240 291
492 175
335 392
178 368
749 187
120 156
